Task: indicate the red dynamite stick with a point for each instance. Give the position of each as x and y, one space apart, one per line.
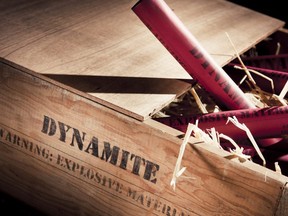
171 32
185 48
262 122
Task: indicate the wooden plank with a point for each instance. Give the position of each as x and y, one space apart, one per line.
210 20
65 154
105 38
136 97
283 209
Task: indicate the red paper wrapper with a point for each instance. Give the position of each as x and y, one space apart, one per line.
268 122
185 48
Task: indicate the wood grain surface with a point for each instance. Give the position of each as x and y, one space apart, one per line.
74 75
66 154
105 38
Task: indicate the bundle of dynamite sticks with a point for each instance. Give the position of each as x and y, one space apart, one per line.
253 99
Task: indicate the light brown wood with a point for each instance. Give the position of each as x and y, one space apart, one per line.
45 165
105 38
282 209
136 97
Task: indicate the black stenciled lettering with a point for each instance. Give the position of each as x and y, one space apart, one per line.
157 205
85 172
194 52
119 187
37 150
82 171
2 131
170 211
164 208
79 139
131 193
75 166
234 97
181 121
255 113
136 164
52 129
59 160
140 199
218 117
223 116
110 183
107 153
205 64
67 163
217 77
41 151
63 130
104 180
149 201
231 114
90 174
203 119
227 88
200 119
16 140
211 72
212 118
98 177
245 114
280 110
93 145
150 170
224 85
263 111
8 137
269 112
27 144
124 159
198 55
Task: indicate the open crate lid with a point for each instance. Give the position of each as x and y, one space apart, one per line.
102 48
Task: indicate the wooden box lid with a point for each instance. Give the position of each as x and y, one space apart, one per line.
110 54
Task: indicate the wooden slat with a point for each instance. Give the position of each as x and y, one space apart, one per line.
210 20
283 209
105 38
47 159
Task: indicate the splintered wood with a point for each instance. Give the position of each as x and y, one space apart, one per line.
113 162
257 96
94 109
199 64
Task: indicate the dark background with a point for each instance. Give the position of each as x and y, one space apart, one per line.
12 206
272 8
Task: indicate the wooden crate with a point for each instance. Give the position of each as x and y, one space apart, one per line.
66 150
